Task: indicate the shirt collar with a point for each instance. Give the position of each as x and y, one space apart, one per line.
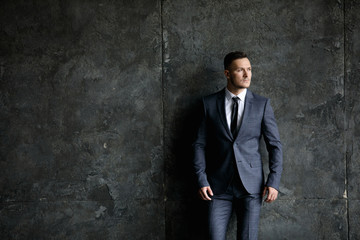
229 95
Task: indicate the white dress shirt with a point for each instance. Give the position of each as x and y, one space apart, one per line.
229 104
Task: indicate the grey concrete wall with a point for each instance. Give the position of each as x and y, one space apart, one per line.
98 100
81 120
352 90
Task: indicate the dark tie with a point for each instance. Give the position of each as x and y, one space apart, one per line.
234 116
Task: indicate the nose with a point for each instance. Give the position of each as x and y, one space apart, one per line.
245 74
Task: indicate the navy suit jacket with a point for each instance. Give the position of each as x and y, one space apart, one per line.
216 151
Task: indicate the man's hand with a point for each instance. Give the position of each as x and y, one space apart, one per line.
272 194
204 193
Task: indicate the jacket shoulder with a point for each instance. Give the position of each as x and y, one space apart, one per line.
214 96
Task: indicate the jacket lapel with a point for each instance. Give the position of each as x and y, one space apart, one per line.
247 110
221 110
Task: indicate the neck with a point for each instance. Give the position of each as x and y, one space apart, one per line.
235 91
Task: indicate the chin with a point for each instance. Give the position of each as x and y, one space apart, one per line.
246 85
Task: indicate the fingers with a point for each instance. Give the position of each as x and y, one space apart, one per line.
264 192
272 194
210 192
204 193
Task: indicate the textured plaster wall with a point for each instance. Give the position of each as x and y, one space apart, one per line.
81 120
99 102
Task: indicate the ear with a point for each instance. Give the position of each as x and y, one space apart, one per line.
227 74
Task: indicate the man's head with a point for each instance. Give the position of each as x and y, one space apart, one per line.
237 71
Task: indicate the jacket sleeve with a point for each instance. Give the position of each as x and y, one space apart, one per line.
273 145
199 145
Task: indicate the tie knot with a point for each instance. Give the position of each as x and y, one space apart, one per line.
236 99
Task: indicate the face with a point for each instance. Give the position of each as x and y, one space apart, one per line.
238 75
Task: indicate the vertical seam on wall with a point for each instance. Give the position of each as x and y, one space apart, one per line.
346 124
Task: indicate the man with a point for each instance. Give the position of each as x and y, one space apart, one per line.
227 158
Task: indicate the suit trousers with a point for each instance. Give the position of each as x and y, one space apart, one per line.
247 208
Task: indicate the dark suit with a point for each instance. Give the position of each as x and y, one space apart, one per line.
219 157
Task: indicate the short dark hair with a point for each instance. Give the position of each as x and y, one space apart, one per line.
230 57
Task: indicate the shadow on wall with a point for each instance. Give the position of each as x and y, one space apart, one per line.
185 212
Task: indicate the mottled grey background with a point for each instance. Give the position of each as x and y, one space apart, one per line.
98 104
